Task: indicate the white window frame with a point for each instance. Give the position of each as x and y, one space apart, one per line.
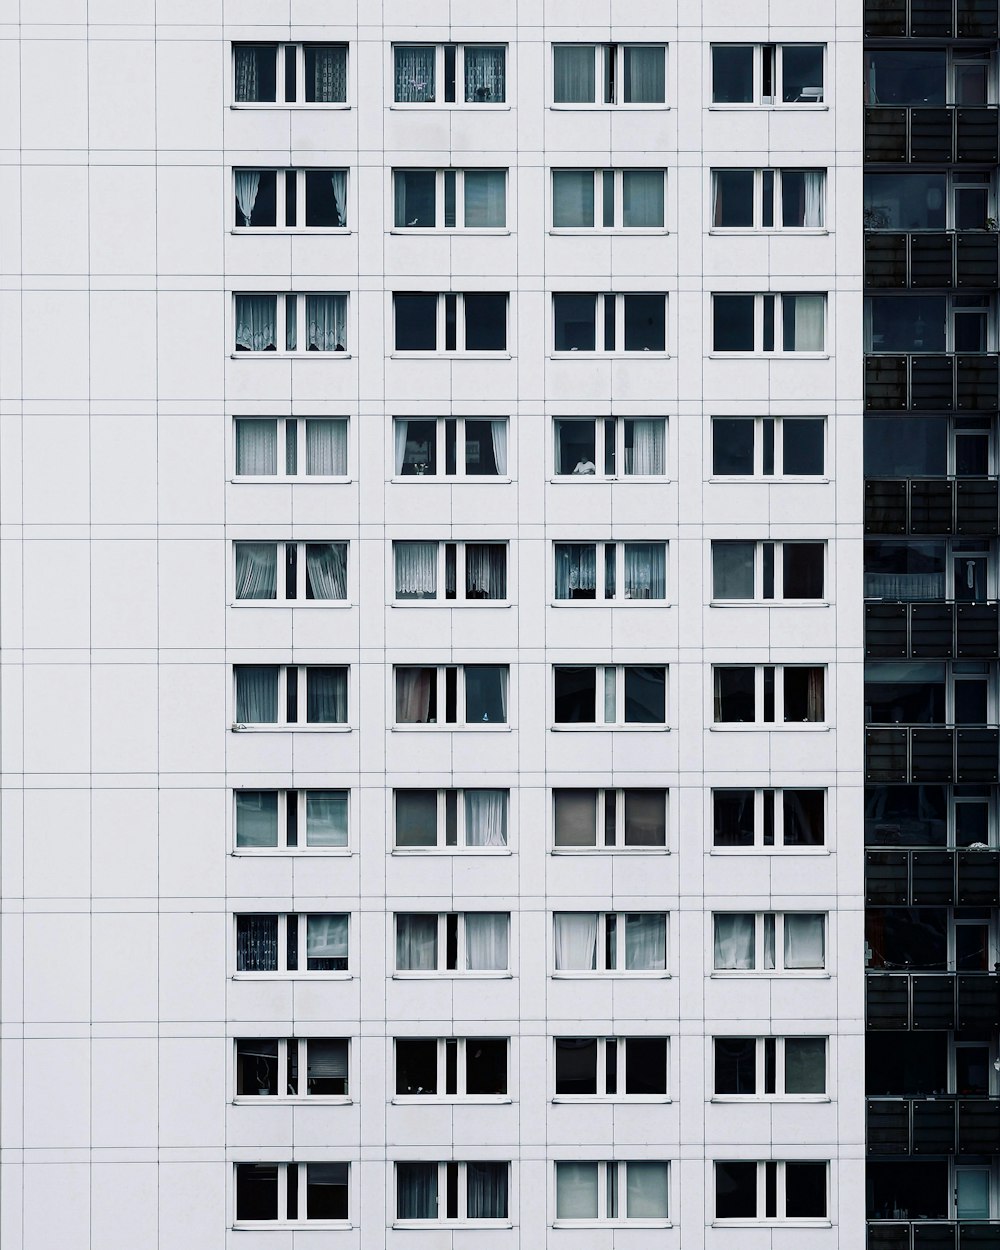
440 598
303 1220
619 348
600 449
460 846
619 846
282 173
601 699
619 599
776 50
283 972
460 101
301 797
300 102
758 348
281 582
462 1197
621 1049
778 1094
778 844
301 725
460 701
618 202
779 699
282 1096
764 920
612 1178
778 597
461 953
601 51
778 449
758 199
619 970
300 351
440 175
291 431
440 446
461 1072
819 1221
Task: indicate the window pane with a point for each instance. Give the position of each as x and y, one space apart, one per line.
647 1191
802 445
326 943
416 941
732 74
645 323
575 447
802 198
802 570
645 818
908 323
256 317
416 569
805 1065
576 1065
646 1065
486 1065
415 447
916 76
732 446
486 1191
735 1191
575 940
484 75
573 73
572 198
805 941
485 323
575 322
326 1191
803 817
575 817
733 203
416 322
804 695
326 198
733 570
576 1191
803 323
256 197
256 1191
326 818
734 941
256 694
645 695
805 1191
645 941
732 323
734 817
256 818
254 72
575 570
416 696
735 1065
802 73
485 693
645 79
906 202
326 1066
256 448
256 943
326 696
486 941
414 75
575 695
642 198
326 570
735 694
416 1065
416 1191
256 1067
416 817
326 74
485 199
414 198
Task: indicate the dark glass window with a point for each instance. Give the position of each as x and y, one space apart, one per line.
416 817
908 323
326 198
804 817
255 72
257 1066
415 198
735 1190
416 322
486 1065
735 1065
733 817
326 1191
805 1191
645 818
480 447
646 1065
256 1191
576 1065
257 943
733 318
732 74
734 694
575 446
805 1065
485 322
645 323
802 446
326 74
802 570
575 695
906 446
913 76
733 204
906 202
485 693
645 695
732 445
419 449
416 1065
575 322
256 205
804 694
802 73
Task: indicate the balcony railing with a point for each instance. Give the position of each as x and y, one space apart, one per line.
933 1235
917 631
931 383
925 135
931 19
944 753
932 878
927 260
968 506
928 1001
941 1125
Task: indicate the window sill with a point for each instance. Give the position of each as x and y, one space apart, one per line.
625 232
770 1098
432 726
275 479
332 727
294 1100
738 851
304 355
772 1223
451 1100
453 479
426 231
583 107
789 106
286 231
446 1224
452 974
769 603
611 1224
292 976
304 1226
773 479
806 726
610 603
654 727
450 603
431 106
792 974
768 355
274 852
596 1100
743 231
434 354
562 479
257 106
623 355
597 974
451 850
610 850
309 604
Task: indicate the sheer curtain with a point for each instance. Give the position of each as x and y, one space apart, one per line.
644 75
484 75
256 448
256 818
804 942
416 570
329 75
498 434
414 75
416 941
647 1190
256 317
338 180
400 429
416 1191
485 198
326 317
645 941
803 323
326 696
326 943
734 939
256 570
326 818
576 569
486 817
247 185
575 940
257 943
326 570
414 690
572 198
487 1191
904 586
576 1191
257 694
486 940
642 197
646 456
645 571
245 75
573 73
485 571
813 214
326 448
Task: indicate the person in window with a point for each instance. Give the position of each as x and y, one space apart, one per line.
585 466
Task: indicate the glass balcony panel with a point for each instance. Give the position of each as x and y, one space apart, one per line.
979 1237
931 135
887 1000
976 507
888 1127
933 878
977 261
931 507
932 383
976 755
932 755
978 1126
885 755
977 19
885 383
978 879
932 260
933 1002
885 260
978 1003
933 1127
885 19
931 19
885 507
886 878
977 136
978 631
889 1237
885 134
932 629
977 383
885 631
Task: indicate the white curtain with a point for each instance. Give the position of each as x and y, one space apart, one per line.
326 696
646 455
326 448
256 818
486 1191
486 940
498 434
804 941
575 940
326 938
484 75
247 185
485 571
486 817
813 215
329 66
647 1191
414 75
645 571
734 941
416 941
257 694
645 941
326 570
245 76
400 428
326 318
576 1191
485 198
338 180
644 75
572 198
576 569
256 570
573 73
256 316
904 586
256 448
326 818
416 570
804 330
642 198
416 1191
414 691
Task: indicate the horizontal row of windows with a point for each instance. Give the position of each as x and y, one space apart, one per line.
582 694
582 447
610 74
479 942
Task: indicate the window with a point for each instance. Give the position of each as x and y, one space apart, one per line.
307 572
609 447
475 941
450 199
769 941
765 571
612 1191
770 1191
472 322
450 446
451 1067
630 694
288 199
611 1067
272 942
777 1067
468 694
440 819
963 200
769 323
452 1192
609 73
608 199
624 942
291 1193
442 571
752 692
755 818
768 446
790 73
289 694
273 819
929 323
291 447
588 322
768 199
293 73
597 572
929 76
291 322
449 73
294 1067
609 819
